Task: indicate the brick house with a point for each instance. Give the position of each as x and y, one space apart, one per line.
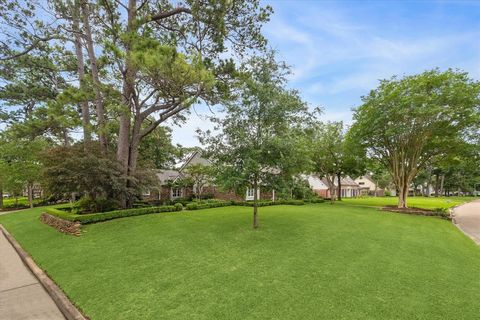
168 190
349 188
369 187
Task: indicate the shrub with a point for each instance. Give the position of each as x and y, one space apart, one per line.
197 205
89 205
316 200
178 206
442 212
98 217
270 203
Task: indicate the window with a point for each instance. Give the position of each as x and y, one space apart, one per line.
361 183
146 193
250 192
176 193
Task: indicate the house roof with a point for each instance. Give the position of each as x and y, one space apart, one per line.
346 181
194 158
367 177
167 175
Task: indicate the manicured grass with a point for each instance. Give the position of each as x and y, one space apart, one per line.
418 202
305 262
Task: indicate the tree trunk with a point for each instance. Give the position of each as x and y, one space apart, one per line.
436 185
123 147
99 103
442 180
1 196
255 209
339 181
30 194
81 74
402 196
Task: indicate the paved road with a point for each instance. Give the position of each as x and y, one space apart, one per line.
467 218
22 297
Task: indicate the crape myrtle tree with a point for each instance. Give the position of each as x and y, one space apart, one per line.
143 61
406 122
260 135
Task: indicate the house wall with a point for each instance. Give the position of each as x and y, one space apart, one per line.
365 183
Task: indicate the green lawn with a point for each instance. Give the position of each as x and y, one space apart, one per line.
305 262
22 201
418 202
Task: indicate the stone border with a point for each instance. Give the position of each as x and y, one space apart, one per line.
63 303
65 226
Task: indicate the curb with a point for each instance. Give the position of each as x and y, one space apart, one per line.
63 303
452 214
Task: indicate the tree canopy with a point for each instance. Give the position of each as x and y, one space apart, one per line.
407 121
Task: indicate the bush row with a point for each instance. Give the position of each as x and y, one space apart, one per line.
270 203
98 217
220 203
207 204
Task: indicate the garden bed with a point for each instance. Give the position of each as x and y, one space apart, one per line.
104 216
438 212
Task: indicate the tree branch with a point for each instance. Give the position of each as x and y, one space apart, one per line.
163 15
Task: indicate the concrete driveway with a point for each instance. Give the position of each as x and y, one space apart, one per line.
467 219
22 297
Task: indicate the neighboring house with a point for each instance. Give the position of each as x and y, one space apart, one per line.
369 187
320 186
168 189
37 191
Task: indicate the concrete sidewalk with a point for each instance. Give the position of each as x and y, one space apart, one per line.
467 219
22 297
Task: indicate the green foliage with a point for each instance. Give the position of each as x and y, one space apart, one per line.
89 205
334 152
19 162
263 203
157 149
406 122
198 176
197 205
261 136
73 169
99 217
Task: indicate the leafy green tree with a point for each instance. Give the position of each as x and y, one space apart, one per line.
407 121
157 149
259 136
19 159
71 170
199 176
335 155
146 62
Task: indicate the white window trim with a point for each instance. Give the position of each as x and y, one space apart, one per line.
250 193
176 195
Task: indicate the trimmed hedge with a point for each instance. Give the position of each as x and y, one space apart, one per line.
270 203
205 205
219 203
98 217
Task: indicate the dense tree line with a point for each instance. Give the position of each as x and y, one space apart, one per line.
87 88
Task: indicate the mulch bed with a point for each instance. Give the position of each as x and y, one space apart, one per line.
415 211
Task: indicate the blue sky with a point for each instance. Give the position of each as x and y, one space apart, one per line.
339 49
